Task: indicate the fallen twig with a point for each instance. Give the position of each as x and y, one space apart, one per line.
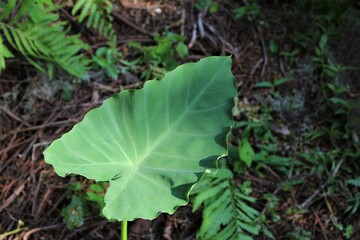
13 196
127 22
265 57
279 188
323 230
201 25
41 126
183 19
27 234
193 36
12 115
225 43
312 196
256 66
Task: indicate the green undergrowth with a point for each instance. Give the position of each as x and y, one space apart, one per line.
304 128
154 61
300 137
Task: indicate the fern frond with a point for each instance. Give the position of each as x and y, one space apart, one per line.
4 53
226 213
41 36
98 16
7 8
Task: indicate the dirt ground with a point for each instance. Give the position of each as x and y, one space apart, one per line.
33 114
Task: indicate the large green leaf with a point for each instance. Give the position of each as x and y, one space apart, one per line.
152 144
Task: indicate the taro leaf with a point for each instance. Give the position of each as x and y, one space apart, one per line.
152 144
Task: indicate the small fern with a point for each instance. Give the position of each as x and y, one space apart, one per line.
98 16
226 214
34 30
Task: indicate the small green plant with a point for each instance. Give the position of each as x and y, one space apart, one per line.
106 58
299 234
95 193
73 213
354 199
202 4
272 206
211 4
291 56
110 61
257 130
250 11
162 57
276 83
346 231
152 145
273 46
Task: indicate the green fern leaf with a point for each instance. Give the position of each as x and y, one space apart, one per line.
97 14
41 38
7 9
90 21
226 213
203 195
4 53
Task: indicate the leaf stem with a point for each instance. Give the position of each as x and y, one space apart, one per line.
124 230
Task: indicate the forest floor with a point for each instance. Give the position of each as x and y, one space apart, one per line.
34 111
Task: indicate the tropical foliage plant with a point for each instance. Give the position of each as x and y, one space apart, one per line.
153 144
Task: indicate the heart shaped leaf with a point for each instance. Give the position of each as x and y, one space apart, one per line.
152 144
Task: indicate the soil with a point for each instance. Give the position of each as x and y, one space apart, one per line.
33 113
